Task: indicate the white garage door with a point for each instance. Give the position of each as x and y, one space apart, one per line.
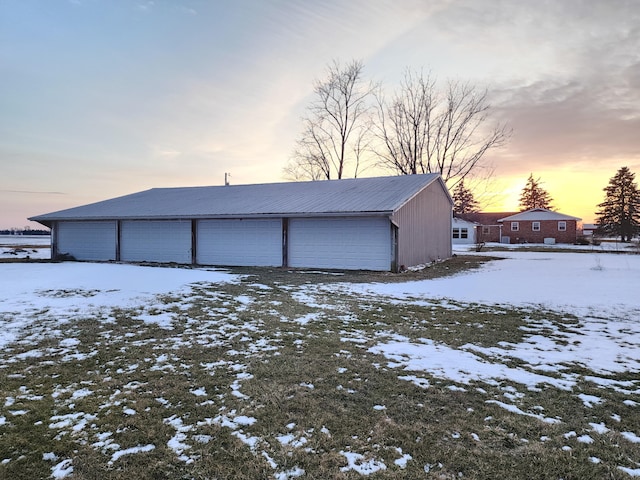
155 241
87 240
343 243
240 242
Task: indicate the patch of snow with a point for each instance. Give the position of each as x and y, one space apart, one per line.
585 439
599 428
355 462
83 392
309 317
514 409
291 440
633 472
131 451
202 438
417 381
270 460
630 436
292 473
464 367
62 469
403 460
590 400
199 392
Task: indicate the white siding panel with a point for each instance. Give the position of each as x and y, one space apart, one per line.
240 242
155 241
354 243
87 240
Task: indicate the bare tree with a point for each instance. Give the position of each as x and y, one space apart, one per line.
422 131
333 138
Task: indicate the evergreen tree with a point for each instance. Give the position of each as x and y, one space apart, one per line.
534 196
463 200
619 214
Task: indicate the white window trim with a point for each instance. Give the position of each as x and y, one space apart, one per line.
534 225
456 232
562 226
515 226
464 233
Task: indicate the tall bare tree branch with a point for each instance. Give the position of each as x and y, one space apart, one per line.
421 130
335 127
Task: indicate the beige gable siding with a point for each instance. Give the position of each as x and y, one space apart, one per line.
424 225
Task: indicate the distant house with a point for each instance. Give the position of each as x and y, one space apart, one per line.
539 226
532 226
588 229
487 226
463 231
380 223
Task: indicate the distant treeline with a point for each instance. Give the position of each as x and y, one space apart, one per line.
24 231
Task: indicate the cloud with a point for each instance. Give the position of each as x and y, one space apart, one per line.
30 192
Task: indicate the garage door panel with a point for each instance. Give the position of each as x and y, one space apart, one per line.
343 243
240 242
162 241
87 240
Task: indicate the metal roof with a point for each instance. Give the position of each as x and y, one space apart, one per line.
376 195
537 214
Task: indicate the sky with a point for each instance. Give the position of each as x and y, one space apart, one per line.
103 98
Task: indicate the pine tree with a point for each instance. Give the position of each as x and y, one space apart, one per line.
534 196
619 214
463 200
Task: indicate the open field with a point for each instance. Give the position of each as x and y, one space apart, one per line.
24 246
522 367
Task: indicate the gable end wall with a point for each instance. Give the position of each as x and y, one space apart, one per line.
424 227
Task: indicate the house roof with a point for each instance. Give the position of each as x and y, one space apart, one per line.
538 214
376 195
463 221
485 218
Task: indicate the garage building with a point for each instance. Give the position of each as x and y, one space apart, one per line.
380 223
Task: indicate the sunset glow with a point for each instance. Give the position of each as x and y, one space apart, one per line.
100 99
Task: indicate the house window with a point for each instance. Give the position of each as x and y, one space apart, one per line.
464 233
562 226
486 230
535 226
456 233
515 226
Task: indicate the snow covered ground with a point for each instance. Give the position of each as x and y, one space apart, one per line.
70 290
598 284
597 295
601 290
25 246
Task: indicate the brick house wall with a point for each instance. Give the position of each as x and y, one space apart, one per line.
548 229
488 233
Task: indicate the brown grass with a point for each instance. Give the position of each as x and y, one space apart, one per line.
313 388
